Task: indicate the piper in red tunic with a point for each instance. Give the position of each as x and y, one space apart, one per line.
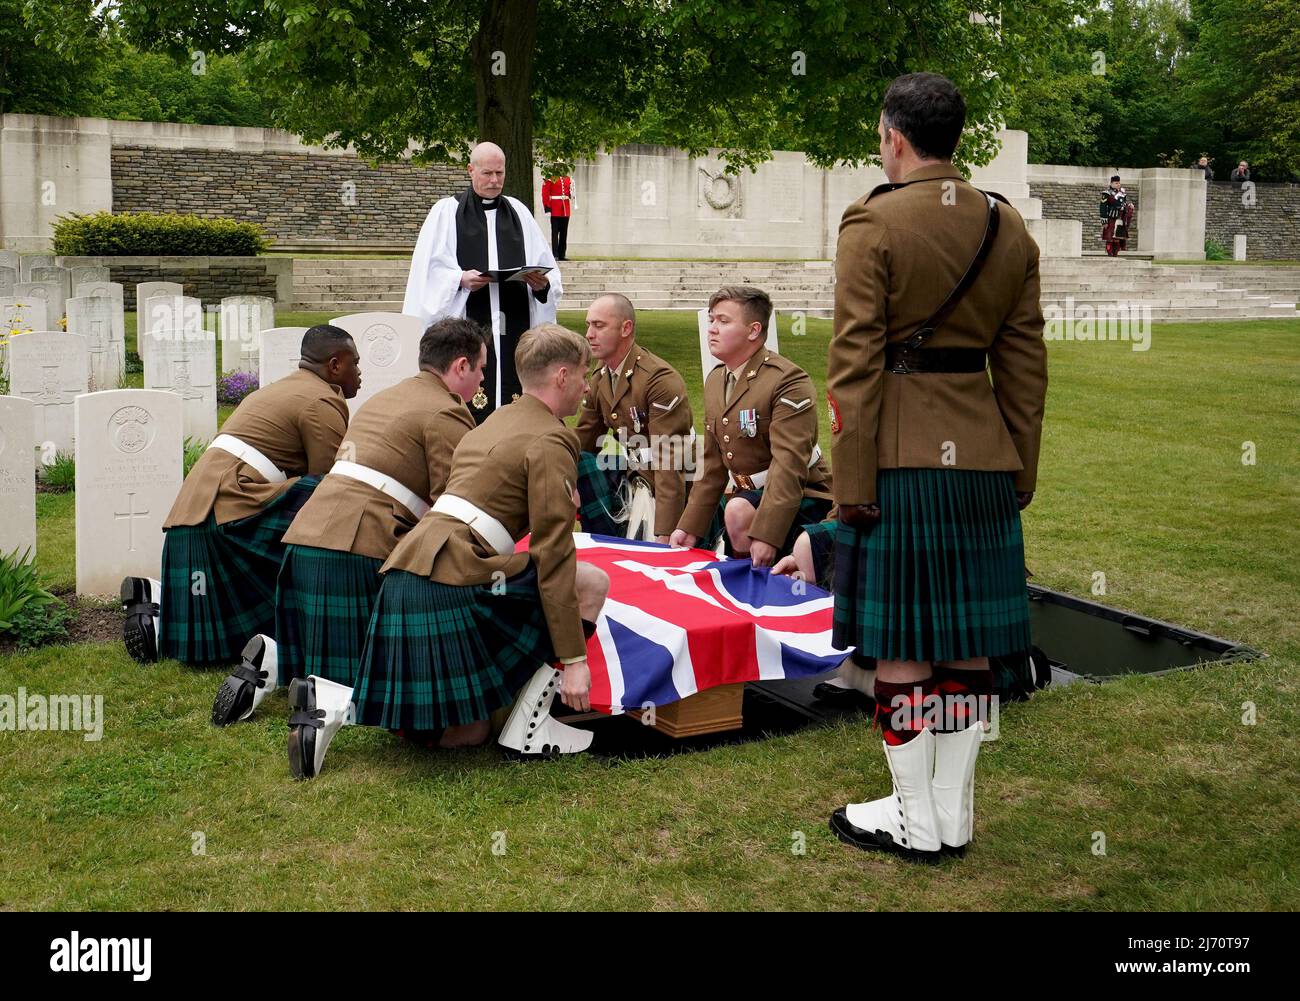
1118 213
557 201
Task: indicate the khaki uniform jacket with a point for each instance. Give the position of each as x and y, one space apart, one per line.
783 395
297 422
900 254
662 421
520 466
408 432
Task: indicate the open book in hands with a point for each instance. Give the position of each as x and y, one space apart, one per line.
515 274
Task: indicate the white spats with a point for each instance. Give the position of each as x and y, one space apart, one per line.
904 822
318 710
531 731
954 783
248 685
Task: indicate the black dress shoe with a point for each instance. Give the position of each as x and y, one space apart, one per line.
141 608
846 698
877 841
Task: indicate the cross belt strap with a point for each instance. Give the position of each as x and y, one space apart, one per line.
245 452
488 528
384 483
755 481
924 332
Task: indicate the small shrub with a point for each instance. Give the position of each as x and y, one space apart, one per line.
193 449
37 626
20 591
234 386
1215 251
60 475
148 234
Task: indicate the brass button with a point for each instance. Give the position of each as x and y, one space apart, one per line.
728 455
724 420
726 437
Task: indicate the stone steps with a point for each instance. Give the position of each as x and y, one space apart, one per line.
1169 292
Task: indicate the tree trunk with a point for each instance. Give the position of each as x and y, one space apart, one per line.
503 52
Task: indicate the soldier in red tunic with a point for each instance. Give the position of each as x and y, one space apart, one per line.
1117 210
557 201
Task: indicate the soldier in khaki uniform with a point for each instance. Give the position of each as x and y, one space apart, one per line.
462 619
639 399
760 440
937 379
224 546
391 466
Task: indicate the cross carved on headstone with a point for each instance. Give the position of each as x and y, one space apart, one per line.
130 514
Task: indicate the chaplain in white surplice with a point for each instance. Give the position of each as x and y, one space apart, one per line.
468 236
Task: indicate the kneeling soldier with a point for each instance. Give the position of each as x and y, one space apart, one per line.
639 399
391 466
461 619
224 541
760 441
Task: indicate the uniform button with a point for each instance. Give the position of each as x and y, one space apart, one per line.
724 420
728 455
726 437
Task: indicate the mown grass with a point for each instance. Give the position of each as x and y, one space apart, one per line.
1142 479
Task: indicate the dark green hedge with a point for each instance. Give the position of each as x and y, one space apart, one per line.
149 234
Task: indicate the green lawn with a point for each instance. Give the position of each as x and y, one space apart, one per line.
1141 478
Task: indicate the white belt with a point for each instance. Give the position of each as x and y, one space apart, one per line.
643 458
385 484
559 198
760 478
492 531
245 452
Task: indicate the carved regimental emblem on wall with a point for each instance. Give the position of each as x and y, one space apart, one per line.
381 345
720 194
131 430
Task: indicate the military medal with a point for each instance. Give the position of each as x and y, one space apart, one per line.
635 417
480 400
748 423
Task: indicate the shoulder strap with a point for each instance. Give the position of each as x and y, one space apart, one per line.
927 329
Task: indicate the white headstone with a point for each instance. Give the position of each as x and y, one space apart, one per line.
113 290
22 313
10 259
17 475
185 362
51 369
99 319
50 293
89 275
279 351
389 345
8 279
242 318
145 291
128 475
707 360
30 261
55 274
1239 247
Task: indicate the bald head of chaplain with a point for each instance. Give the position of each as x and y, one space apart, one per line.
329 352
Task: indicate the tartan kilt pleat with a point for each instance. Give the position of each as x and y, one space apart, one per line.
601 496
207 619
439 655
821 537
941 576
323 602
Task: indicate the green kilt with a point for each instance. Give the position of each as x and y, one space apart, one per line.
941 576
601 496
811 511
438 655
323 602
239 562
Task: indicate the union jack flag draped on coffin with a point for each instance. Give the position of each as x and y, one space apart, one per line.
678 621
